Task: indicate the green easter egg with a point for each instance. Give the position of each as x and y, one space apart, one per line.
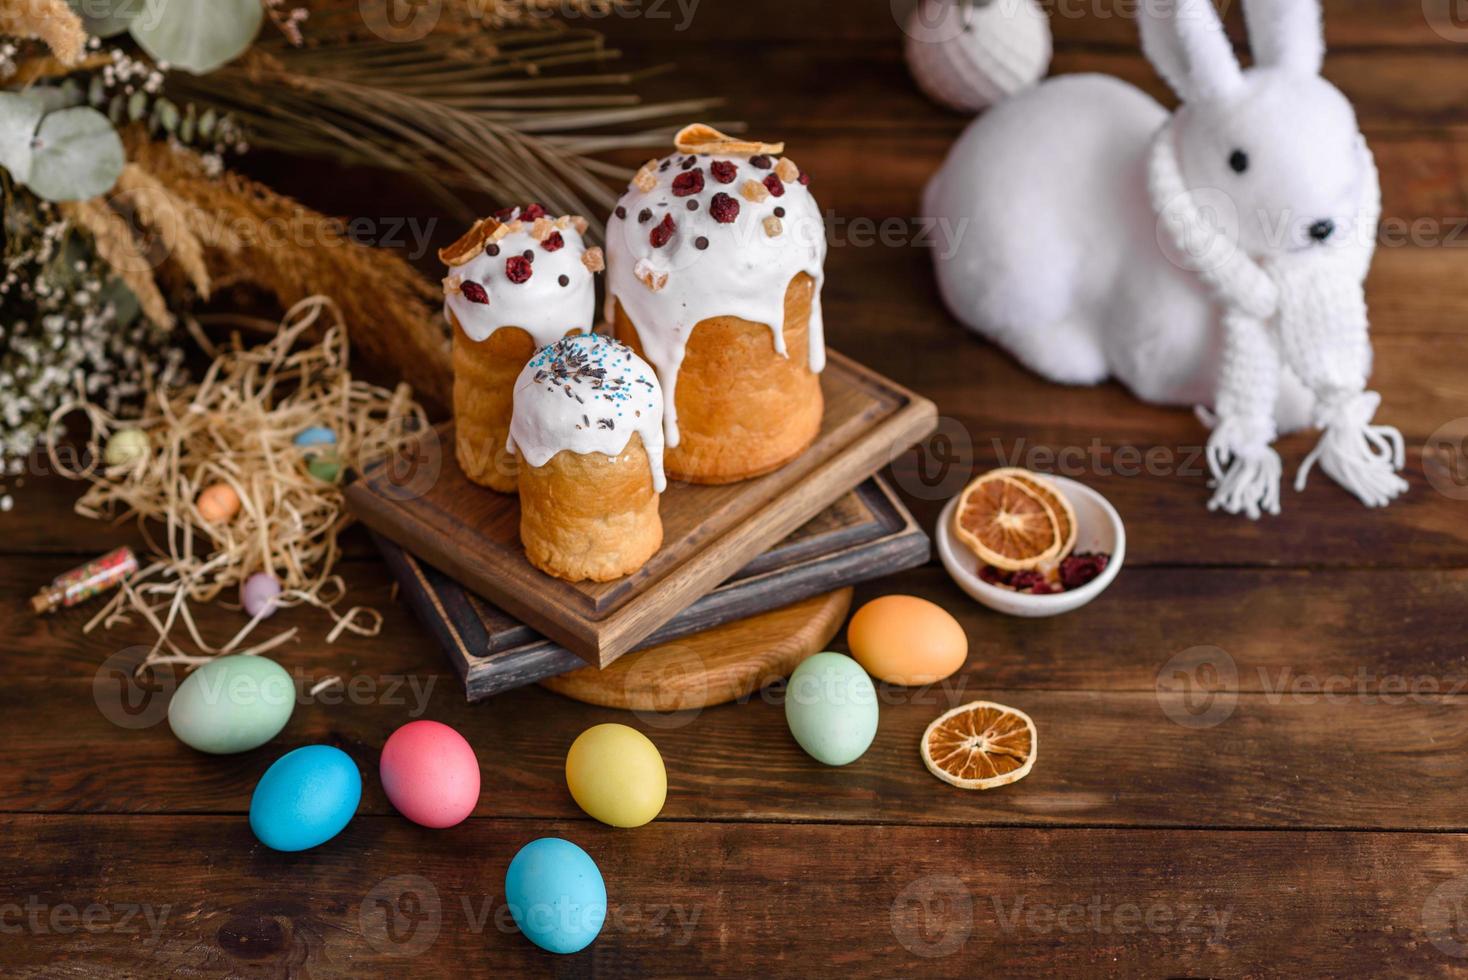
232 704
831 708
125 446
325 468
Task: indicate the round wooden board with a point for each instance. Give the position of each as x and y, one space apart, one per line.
712 667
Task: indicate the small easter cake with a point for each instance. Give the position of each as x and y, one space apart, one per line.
715 261
517 281
588 429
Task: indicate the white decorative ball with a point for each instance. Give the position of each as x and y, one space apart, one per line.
969 54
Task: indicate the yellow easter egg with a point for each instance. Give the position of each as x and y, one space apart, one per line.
902 639
218 503
616 775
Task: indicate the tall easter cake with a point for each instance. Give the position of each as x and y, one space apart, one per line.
517 281
715 262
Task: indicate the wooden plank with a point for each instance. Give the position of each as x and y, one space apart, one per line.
710 532
1288 752
733 899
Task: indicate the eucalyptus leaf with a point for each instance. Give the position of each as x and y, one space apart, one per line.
107 18
77 155
197 35
19 116
52 98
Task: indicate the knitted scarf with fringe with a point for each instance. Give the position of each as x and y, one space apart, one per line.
1305 310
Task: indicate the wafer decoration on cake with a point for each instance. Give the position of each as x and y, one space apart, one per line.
587 427
516 282
715 265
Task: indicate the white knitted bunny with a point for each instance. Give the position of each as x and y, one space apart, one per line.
1214 257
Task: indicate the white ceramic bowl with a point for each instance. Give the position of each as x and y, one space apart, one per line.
1099 528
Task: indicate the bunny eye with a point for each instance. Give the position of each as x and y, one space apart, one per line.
1239 161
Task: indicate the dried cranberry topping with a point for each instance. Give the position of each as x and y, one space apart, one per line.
532 211
804 179
662 232
775 185
1032 581
688 182
760 161
474 292
993 575
518 268
724 208
1079 569
553 242
724 171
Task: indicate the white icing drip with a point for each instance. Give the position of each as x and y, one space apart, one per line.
744 271
540 305
560 407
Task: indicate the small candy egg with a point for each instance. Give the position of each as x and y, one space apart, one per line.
430 774
305 798
326 467
902 639
258 593
125 446
316 435
831 708
232 704
616 775
556 895
218 503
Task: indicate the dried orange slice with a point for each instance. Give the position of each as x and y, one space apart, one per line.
1046 490
981 745
1006 524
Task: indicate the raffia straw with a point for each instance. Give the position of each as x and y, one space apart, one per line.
237 426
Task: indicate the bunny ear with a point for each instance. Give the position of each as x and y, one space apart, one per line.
1185 41
1286 34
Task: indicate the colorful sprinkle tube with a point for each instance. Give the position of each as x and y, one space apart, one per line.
85 581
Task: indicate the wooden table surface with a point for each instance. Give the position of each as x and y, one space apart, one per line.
1253 746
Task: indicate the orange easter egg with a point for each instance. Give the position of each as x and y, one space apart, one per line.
905 640
218 503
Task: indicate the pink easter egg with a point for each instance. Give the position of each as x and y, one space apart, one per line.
430 774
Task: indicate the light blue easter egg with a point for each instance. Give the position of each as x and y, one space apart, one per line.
316 435
556 895
305 798
831 708
232 704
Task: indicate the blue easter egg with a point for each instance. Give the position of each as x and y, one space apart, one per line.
556 895
305 798
316 435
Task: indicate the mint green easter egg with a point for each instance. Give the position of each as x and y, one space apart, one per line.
831 708
232 704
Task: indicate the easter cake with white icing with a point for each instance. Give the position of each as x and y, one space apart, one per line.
715 261
517 281
587 428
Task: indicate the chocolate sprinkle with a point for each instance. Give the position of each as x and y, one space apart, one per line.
491 250
692 205
621 211
644 215
779 212
564 280
700 243
760 161
530 255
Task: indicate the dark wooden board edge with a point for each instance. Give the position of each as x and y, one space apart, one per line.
901 545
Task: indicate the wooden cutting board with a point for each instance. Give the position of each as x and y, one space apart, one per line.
713 667
422 501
